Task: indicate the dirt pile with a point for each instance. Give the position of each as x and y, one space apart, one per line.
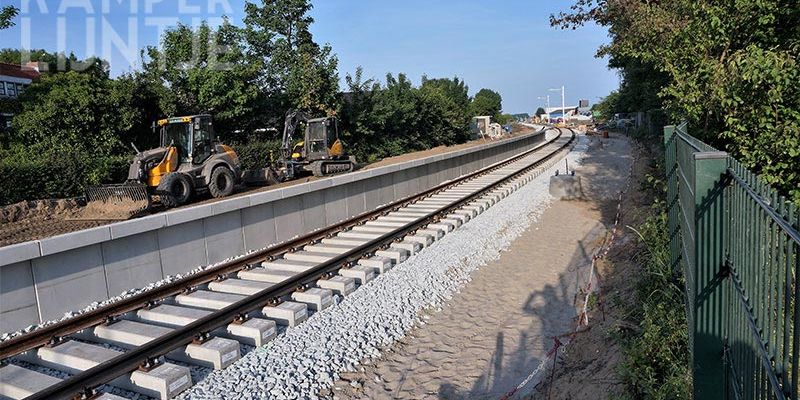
39 209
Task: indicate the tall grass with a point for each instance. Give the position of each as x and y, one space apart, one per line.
655 362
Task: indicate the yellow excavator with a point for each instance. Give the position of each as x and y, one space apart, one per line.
320 153
190 160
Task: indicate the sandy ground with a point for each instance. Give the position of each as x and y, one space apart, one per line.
18 225
499 328
587 367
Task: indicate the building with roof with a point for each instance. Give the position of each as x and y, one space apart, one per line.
13 81
15 78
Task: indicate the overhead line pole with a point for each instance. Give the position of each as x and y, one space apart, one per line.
546 110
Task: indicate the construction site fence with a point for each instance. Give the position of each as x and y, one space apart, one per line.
737 242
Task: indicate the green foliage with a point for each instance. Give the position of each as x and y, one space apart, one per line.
257 154
7 14
504 119
486 102
656 360
136 102
297 72
54 62
27 175
385 120
206 71
732 69
540 111
609 105
68 112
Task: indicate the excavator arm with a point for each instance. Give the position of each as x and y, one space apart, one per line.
293 120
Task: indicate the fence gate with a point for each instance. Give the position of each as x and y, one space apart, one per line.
738 245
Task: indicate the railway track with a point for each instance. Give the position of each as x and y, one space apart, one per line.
143 343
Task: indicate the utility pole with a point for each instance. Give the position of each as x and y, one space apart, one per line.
546 110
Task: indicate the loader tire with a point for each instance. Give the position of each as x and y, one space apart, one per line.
222 182
175 189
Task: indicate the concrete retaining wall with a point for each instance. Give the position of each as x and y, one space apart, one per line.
41 280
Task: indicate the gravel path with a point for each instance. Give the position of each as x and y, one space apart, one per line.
310 358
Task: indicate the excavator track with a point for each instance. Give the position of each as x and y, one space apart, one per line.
331 167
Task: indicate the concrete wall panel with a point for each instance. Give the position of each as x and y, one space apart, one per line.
423 178
182 247
313 211
131 262
69 280
335 205
387 189
356 198
19 252
224 238
401 186
17 297
372 193
289 218
258 223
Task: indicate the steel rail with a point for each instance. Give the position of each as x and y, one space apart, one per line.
47 334
86 381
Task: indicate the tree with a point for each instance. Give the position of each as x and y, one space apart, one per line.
89 125
7 14
206 71
298 73
486 102
52 62
450 99
609 105
731 69
504 119
540 111
384 120
136 101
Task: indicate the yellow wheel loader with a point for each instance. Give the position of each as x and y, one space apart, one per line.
189 161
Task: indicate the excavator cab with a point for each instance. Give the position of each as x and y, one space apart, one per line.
321 136
320 142
192 137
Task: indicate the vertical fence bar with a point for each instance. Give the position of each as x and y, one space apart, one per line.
710 283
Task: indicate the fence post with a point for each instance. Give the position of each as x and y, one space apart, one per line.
668 131
710 286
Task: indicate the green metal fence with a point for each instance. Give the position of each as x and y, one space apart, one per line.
738 245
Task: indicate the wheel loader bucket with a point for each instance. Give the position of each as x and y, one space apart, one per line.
116 202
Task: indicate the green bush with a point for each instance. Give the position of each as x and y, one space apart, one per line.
61 175
257 153
656 360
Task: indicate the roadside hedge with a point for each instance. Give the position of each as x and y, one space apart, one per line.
56 176
257 153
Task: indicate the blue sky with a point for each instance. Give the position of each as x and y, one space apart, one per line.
507 46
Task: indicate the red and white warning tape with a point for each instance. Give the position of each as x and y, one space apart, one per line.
583 317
